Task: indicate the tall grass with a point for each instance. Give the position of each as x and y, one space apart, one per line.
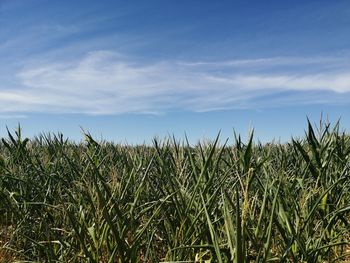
173 202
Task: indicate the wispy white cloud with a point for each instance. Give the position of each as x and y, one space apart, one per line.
337 82
275 61
105 82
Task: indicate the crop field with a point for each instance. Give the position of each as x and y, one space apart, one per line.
241 202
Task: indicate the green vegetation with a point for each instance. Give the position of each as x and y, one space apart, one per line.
99 202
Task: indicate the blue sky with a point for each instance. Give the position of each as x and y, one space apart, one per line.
132 70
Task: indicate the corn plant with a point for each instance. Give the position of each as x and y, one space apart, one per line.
95 201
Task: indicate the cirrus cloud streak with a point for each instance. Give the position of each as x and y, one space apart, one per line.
104 82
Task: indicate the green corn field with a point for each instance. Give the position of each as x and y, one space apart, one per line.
96 201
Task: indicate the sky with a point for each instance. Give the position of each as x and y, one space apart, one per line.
129 71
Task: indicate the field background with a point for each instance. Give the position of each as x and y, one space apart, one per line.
172 202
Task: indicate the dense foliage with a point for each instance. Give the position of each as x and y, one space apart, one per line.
99 202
